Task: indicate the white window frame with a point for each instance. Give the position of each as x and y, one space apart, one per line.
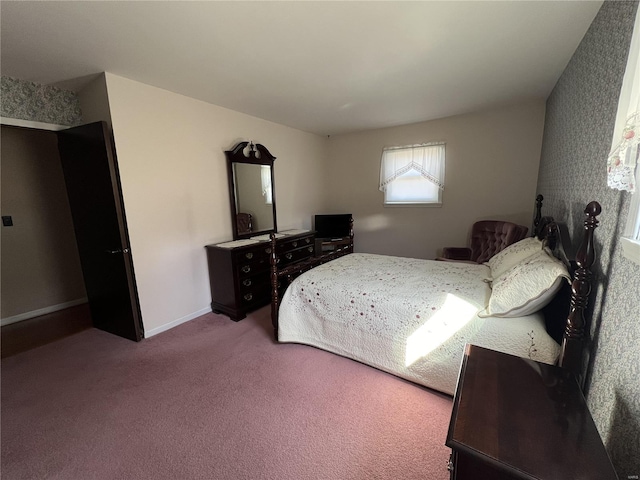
424 162
630 241
630 100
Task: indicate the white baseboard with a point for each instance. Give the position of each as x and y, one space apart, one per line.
175 323
41 311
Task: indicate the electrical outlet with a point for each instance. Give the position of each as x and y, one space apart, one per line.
7 221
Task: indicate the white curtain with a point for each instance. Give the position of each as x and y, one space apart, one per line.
267 191
623 158
427 159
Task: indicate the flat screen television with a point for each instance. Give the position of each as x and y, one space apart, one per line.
332 226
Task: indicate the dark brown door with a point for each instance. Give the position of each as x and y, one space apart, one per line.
93 185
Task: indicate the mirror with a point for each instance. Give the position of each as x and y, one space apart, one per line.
252 191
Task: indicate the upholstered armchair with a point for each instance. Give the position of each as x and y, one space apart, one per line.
245 223
488 237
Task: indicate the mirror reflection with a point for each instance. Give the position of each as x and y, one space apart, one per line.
254 197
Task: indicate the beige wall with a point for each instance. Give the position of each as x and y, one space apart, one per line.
40 262
491 173
94 101
171 155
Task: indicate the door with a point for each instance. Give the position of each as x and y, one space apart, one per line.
93 186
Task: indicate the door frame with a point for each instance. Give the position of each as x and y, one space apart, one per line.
119 202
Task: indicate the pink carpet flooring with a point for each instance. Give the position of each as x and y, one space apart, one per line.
213 399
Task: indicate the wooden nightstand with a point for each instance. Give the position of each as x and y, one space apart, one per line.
514 418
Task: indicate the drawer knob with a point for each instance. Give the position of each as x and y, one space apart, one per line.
310 249
249 255
307 240
295 244
289 256
246 283
246 269
267 251
248 297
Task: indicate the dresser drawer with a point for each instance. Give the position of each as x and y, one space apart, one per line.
260 281
257 253
289 245
240 277
295 255
247 269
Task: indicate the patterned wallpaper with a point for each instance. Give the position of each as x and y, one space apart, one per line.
580 118
38 103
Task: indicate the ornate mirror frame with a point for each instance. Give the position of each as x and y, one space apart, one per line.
256 155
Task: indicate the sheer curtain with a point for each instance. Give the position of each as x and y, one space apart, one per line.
426 159
265 176
623 159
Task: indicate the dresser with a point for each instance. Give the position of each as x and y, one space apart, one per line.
514 418
239 271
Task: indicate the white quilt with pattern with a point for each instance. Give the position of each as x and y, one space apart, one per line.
408 317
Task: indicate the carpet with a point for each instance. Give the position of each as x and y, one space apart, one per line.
213 399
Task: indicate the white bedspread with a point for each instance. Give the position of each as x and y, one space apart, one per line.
404 316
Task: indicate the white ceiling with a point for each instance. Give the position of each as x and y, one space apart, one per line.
322 67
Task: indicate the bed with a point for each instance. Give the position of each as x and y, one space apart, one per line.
412 318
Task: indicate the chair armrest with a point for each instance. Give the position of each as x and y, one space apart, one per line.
456 253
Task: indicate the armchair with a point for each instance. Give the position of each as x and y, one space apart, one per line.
245 223
488 237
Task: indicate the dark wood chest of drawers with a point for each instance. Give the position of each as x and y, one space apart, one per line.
240 276
514 418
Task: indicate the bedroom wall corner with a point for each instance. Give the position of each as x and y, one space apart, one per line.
581 113
492 160
94 101
173 171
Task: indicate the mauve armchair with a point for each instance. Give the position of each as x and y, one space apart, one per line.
245 223
488 237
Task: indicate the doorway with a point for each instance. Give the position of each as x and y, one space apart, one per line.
96 240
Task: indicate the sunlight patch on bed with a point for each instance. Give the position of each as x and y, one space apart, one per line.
454 314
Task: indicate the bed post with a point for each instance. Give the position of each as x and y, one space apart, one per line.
350 248
275 301
538 217
571 356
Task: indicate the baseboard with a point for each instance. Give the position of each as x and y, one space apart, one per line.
175 323
41 311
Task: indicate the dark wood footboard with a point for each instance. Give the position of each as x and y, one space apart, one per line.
281 278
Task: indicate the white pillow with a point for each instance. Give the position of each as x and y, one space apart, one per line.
526 287
512 255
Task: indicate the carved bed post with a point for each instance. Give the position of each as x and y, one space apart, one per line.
275 301
538 217
571 356
350 248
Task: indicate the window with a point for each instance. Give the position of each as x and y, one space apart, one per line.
413 174
265 177
622 164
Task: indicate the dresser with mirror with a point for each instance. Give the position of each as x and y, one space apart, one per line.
239 270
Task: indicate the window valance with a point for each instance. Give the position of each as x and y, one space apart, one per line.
427 159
